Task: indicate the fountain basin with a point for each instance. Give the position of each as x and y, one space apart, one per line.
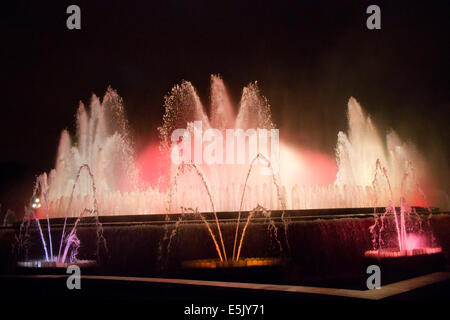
241 263
399 265
243 270
391 253
54 264
52 267
327 244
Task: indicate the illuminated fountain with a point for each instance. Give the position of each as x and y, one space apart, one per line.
413 234
308 179
150 183
399 231
403 240
235 261
69 243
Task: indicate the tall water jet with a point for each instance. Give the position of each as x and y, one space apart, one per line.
358 151
184 110
102 142
222 111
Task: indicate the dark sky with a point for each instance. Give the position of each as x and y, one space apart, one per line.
309 57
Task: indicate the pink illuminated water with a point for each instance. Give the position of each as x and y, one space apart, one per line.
401 231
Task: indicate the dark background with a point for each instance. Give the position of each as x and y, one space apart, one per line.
309 57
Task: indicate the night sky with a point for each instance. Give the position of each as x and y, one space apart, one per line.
309 57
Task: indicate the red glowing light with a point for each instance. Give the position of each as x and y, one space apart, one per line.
40 213
154 167
306 167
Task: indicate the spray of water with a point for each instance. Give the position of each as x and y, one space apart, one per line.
72 239
408 224
280 199
44 244
99 227
22 242
30 212
250 216
205 184
44 189
394 210
208 226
